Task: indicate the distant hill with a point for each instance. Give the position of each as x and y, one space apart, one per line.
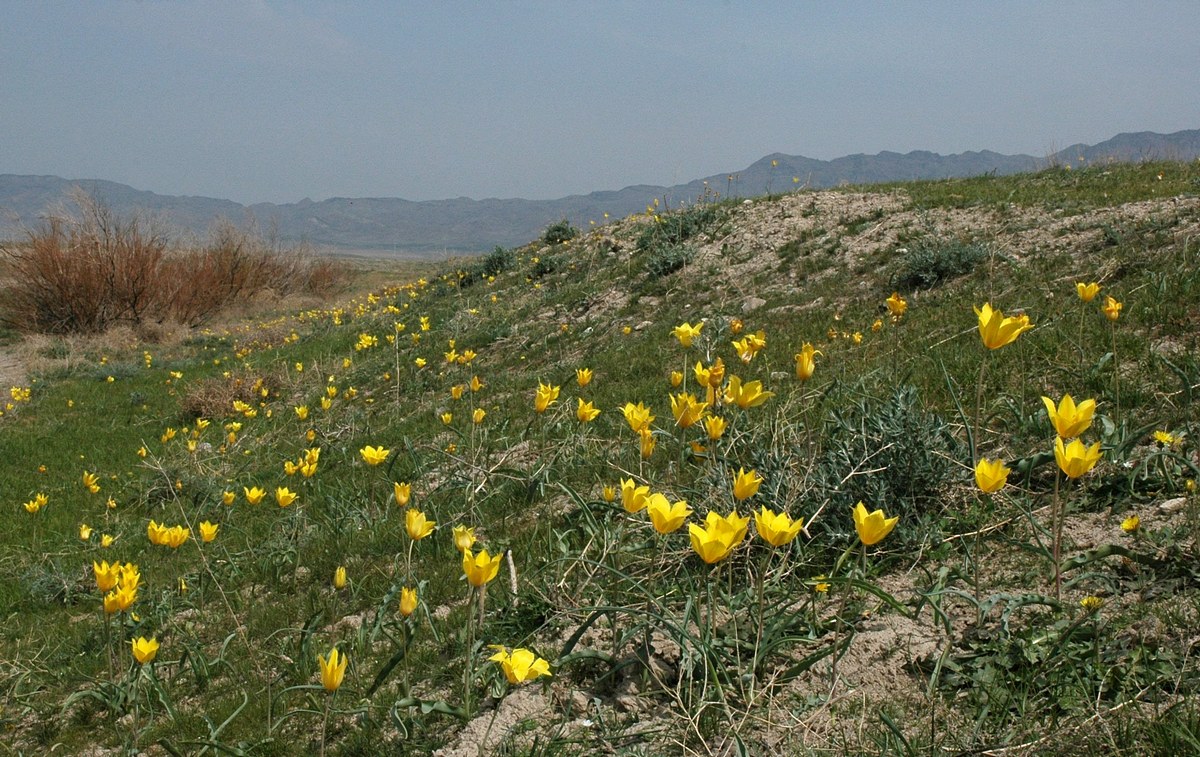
466 225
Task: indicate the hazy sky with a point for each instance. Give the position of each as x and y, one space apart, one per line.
274 101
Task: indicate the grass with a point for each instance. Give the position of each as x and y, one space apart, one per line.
656 649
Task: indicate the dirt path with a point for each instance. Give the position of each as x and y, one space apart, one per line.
11 371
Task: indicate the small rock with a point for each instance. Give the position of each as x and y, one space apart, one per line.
1173 505
643 325
752 303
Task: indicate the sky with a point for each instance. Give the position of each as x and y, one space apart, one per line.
265 101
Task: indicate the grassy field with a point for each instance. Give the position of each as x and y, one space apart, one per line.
1038 618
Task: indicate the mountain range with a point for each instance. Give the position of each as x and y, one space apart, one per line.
464 225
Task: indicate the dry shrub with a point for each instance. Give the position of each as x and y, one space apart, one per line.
92 270
214 397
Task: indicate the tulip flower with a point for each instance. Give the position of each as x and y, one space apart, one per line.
687 409
637 416
520 665
480 568
749 346
872 527
676 378
417 525
746 395
402 492
646 441
85 531
408 601
714 427
91 482
665 516
1112 309
633 497
208 531
805 364
1068 419
284 496
1131 524
991 475
227 497
685 333
896 305
583 376
332 670
1075 459
254 495
464 538
339 577
545 396
776 529
710 543
301 412
476 384
374 455
745 485
732 527
478 415
996 331
586 412
609 493
1087 292
144 649
176 536
106 575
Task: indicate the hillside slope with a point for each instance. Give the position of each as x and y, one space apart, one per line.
1036 617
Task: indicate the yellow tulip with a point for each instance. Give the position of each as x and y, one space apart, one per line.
227 497
896 305
339 577
732 527
417 525
284 496
254 495
91 482
746 395
609 493
646 441
586 412
545 396
748 346
301 412
374 455
520 665
745 485
583 376
478 416
637 416
991 475
481 568
85 531
1087 292
1075 459
1068 419
665 516
144 649
1131 524
633 497
685 333
1112 309
872 527
408 601
714 427
332 670
687 409
709 543
208 531
712 376
776 529
805 363
106 575
402 492
996 331
464 538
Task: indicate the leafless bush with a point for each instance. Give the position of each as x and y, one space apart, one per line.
89 271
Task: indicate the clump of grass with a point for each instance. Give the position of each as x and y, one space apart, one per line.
932 262
559 232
